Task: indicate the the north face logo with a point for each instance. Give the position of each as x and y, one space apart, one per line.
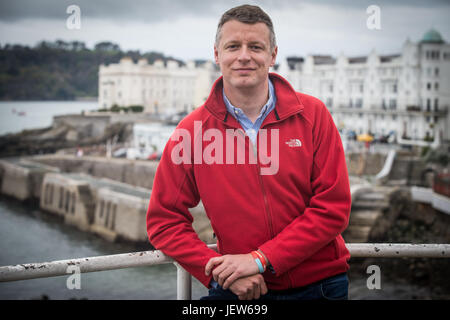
294 143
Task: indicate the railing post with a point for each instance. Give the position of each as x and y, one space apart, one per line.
184 283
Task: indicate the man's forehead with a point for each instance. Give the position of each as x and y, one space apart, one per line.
236 29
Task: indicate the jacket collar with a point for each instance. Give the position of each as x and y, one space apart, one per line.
287 101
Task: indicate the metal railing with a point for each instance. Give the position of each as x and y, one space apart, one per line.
184 280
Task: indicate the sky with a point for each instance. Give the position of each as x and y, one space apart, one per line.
185 29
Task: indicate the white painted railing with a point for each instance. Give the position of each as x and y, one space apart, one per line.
184 281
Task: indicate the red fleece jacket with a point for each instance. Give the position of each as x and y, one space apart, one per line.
293 208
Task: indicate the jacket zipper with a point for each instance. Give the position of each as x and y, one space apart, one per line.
266 203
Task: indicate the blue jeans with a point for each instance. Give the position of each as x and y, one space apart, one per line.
332 288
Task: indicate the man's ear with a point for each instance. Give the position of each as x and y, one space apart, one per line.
216 55
274 56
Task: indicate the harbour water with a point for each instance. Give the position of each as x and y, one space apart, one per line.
16 116
28 235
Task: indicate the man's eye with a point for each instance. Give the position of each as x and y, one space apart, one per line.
256 47
233 46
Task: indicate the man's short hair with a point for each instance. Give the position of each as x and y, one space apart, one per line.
247 14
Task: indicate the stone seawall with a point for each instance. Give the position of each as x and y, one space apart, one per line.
364 164
407 221
22 179
98 202
138 173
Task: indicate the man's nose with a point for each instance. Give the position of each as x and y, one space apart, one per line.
244 54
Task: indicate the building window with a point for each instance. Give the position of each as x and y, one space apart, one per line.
393 104
361 88
436 104
428 85
436 72
330 102
359 103
436 86
428 105
394 88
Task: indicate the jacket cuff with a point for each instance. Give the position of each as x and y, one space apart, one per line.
269 249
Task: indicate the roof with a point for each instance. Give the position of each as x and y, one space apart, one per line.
357 60
293 61
432 36
319 59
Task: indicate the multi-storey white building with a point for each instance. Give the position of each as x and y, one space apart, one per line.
407 94
159 88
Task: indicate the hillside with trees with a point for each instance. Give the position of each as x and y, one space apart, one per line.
58 70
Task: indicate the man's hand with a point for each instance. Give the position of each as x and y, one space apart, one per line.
248 288
231 267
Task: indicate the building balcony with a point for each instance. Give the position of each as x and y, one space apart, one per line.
441 112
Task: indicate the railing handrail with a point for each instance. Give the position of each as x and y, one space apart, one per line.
156 257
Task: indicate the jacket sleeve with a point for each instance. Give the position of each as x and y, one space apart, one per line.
328 212
169 223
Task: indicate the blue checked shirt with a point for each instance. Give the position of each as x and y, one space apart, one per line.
250 128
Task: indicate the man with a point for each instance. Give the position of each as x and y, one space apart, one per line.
278 217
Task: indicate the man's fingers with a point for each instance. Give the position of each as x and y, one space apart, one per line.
217 271
230 279
224 275
263 287
256 290
211 263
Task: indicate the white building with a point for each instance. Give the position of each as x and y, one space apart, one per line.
407 94
160 88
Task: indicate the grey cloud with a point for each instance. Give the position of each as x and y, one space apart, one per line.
163 10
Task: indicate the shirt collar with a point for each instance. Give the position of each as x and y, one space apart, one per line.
238 113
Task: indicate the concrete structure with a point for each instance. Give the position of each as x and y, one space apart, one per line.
22 179
121 213
69 198
137 173
161 88
108 208
427 195
406 94
97 203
